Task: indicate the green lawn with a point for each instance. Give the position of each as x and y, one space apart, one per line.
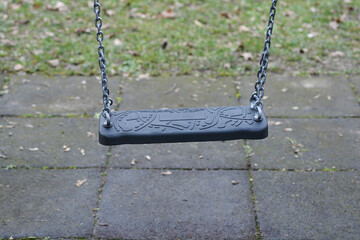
204 37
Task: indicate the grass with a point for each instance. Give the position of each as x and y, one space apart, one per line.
204 36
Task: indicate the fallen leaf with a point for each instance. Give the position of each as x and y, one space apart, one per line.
247 56
18 67
313 10
225 15
7 42
164 44
341 18
244 28
143 77
3 154
117 42
133 162
337 54
14 6
80 182
82 151
334 25
103 224
37 52
197 23
167 14
90 134
59 6
147 157
241 46
24 22
235 182
166 173
66 148
54 62
290 14
135 14
49 34
313 71
81 31
134 53
109 12
312 34
303 50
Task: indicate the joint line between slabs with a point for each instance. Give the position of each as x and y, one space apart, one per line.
100 189
181 169
252 194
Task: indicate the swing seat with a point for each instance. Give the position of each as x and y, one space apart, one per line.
182 125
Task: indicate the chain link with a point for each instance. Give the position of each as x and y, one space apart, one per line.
107 101
255 100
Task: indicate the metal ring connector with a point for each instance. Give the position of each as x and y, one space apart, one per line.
258 117
107 122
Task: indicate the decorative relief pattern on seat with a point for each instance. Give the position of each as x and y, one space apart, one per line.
189 119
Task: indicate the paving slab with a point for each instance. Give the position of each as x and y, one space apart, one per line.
313 96
54 95
309 143
47 203
308 205
51 142
144 204
200 155
177 92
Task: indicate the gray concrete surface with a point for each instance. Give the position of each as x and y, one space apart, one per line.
145 204
215 190
308 205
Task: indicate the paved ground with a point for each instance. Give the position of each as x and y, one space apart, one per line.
302 182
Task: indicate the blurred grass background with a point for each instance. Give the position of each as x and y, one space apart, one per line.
176 37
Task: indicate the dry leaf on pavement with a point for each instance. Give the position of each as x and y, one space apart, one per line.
80 182
166 173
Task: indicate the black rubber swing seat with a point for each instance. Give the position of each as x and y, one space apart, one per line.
182 125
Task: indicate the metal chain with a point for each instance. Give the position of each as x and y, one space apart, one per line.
106 111
255 100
